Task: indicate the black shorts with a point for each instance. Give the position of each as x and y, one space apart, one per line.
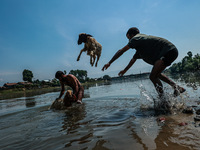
170 56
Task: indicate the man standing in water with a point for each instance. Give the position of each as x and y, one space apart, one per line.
153 50
73 82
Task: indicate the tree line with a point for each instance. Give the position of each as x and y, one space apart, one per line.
189 63
82 76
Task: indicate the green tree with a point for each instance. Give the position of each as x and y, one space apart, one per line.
27 75
188 64
196 62
189 54
80 74
106 77
37 81
55 82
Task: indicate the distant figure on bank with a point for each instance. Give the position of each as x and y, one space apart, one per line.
156 51
91 46
70 97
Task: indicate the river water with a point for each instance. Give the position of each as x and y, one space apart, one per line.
113 116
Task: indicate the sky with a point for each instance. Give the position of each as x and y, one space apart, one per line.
41 35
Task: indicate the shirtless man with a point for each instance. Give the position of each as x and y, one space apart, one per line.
73 82
155 51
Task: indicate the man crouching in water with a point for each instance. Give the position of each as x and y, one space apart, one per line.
76 96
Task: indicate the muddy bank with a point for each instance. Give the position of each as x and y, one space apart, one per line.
16 93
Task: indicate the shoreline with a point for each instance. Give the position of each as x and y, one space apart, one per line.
17 93
23 92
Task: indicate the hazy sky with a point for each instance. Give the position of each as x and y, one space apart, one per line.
41 35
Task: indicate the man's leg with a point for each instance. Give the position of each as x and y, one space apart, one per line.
177 89
167 60
167 80
157 69
155 74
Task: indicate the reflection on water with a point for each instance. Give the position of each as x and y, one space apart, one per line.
72 116
116 115
30 102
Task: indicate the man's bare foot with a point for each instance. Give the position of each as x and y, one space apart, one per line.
178 90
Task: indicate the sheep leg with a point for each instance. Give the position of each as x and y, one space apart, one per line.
94 59
98 56
91 60
80 55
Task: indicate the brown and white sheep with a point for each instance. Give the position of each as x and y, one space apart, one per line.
92 47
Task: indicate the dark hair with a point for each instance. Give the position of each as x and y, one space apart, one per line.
58 74
133 31
83 38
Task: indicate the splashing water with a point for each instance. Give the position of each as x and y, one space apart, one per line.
167 104
146 100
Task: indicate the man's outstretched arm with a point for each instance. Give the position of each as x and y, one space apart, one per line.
62 90
116 56
132 61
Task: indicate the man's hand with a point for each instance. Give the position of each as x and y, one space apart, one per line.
105 66
121 73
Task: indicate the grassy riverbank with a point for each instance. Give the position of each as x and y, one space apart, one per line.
23 92
15 93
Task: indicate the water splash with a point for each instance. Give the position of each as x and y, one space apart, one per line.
167 104
145 94
146 99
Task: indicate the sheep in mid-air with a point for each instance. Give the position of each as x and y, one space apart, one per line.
92 47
